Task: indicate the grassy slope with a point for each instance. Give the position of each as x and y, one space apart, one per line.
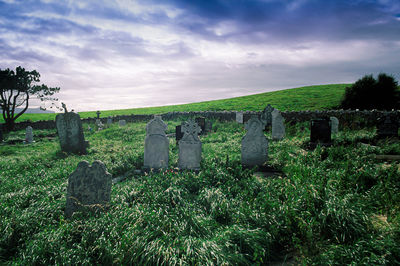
320 97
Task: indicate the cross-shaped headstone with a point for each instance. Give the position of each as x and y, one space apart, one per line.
98 114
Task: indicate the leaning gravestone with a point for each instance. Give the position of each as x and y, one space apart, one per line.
254 144
239 117
28 135
278 125
266 116
70 133
334 125
122 123
190 146
156 145
321 132
88 187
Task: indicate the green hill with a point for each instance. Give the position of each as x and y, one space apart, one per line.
319 97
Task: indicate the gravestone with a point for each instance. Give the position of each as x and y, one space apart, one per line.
156 145
98 114
321 132
70 133
334 125
122 123
266 116
387 128
178 133
208 126
89 187
109 121
201 121
1 133
254 143
239 117
278 125
28 135
190 146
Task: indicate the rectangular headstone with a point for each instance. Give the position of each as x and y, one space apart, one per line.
239 117
254 144
70 133
321 132
109 121
201 121
387 128
178 133
334 125
156 145
89 187
28 135
121 123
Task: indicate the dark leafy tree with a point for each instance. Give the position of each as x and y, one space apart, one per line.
368 93
16 88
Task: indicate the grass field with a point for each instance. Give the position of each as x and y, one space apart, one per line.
330 206
321 97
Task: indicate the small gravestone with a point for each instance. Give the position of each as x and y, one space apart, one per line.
178 133
156 145
109 121
254 144
190 146
201 121
122 123
89 187
387 128
28 135
70 133
321 132
334 125
239 117
278 125
266 116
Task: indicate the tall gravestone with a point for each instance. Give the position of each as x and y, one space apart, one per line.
334 125
190 146
239 117
88 187
266 116
278 125
28 135
201 121
178 133
156 145
70 133
254 144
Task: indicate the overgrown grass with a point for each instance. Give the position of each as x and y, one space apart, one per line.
320 97
335 205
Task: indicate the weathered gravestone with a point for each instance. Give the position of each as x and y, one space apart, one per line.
122 123
266 116
254 144
387 128
28 135
109 121
208 126
99 124
239 117
98 114
278 125
156 145
321 132
190 146
334 125
89 187
70 133
201 121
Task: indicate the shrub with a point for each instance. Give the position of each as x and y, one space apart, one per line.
368 93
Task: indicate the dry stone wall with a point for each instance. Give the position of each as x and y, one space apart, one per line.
346 117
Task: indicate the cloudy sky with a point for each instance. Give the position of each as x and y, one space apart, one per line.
114 54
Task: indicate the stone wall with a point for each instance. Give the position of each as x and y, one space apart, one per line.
354 119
